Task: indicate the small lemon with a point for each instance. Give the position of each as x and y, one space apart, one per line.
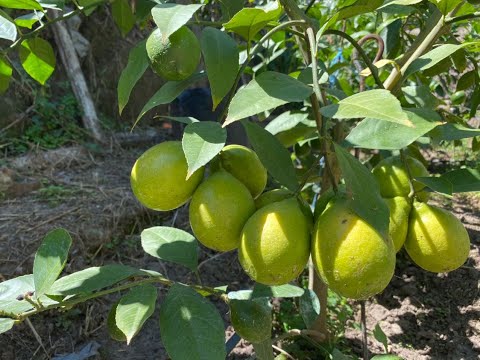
245 165
392 177
275 243
219 209
350 255
399 212
436 241
158 177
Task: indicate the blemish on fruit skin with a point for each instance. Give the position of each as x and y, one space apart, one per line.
344 221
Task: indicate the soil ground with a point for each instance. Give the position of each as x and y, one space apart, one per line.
424 315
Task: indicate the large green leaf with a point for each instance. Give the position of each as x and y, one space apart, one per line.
286 121
8 30
136 66
5 75
273 155
190 326
21 4
267 91
169 92
377 104
11 289
220 54
456 181
230 8
50 260
201 142
384 135
366 199
29 20
453 132
420 96
92 279
123 16
445 6
309 307
6 324
283 291
113 330
249 21
251 320
171 244
171 17
37 58
134 309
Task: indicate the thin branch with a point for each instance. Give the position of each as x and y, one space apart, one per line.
309 6
364 329
451 20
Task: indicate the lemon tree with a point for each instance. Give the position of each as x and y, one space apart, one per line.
338 167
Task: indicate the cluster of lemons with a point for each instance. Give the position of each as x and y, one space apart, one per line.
275 232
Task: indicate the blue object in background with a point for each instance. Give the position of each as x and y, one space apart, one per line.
332 79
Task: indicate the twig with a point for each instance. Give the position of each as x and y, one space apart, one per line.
451 20
280 350
216 256
378 56
18 119
364 329
54 218
37 337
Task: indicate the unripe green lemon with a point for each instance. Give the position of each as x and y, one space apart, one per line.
275 243
174 58
436 241
219 209
245 165
399 212
158 177
351 256
392 177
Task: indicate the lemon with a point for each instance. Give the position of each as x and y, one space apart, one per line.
392 177
275 195
219 209
398 227
351 256
244 164
275 243
436 240
158 177
174 58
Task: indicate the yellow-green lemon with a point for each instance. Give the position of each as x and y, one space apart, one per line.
436 241
392 177
176 57
275 195
158 177
218 211
350 255
275 243
244 164
399 212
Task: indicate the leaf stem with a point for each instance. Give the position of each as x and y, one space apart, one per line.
451 20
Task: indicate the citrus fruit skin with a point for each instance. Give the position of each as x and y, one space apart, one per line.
245 165
392 177
436 241
174 58
219 209
158 177
398 227
275 243
350 256
275 195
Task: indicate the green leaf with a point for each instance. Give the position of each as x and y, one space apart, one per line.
435 56
380 336
273 155
123 16
171 17
52 4
136 66
386 357
92 279
8 30
21 4
366 200
134 309
267 91
437 184
230 8
169 92
89 5
377 104
50 260
286 121
357 8
5 75
445 6
11 289
401 3
475 100
378 134
113 330
37 58
201 142
251 320
467 80
420 96
220 54
171 244
309 307
181 119
190 326
29 20
279 291
453 132
6 324
249 21
456 181
263 350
